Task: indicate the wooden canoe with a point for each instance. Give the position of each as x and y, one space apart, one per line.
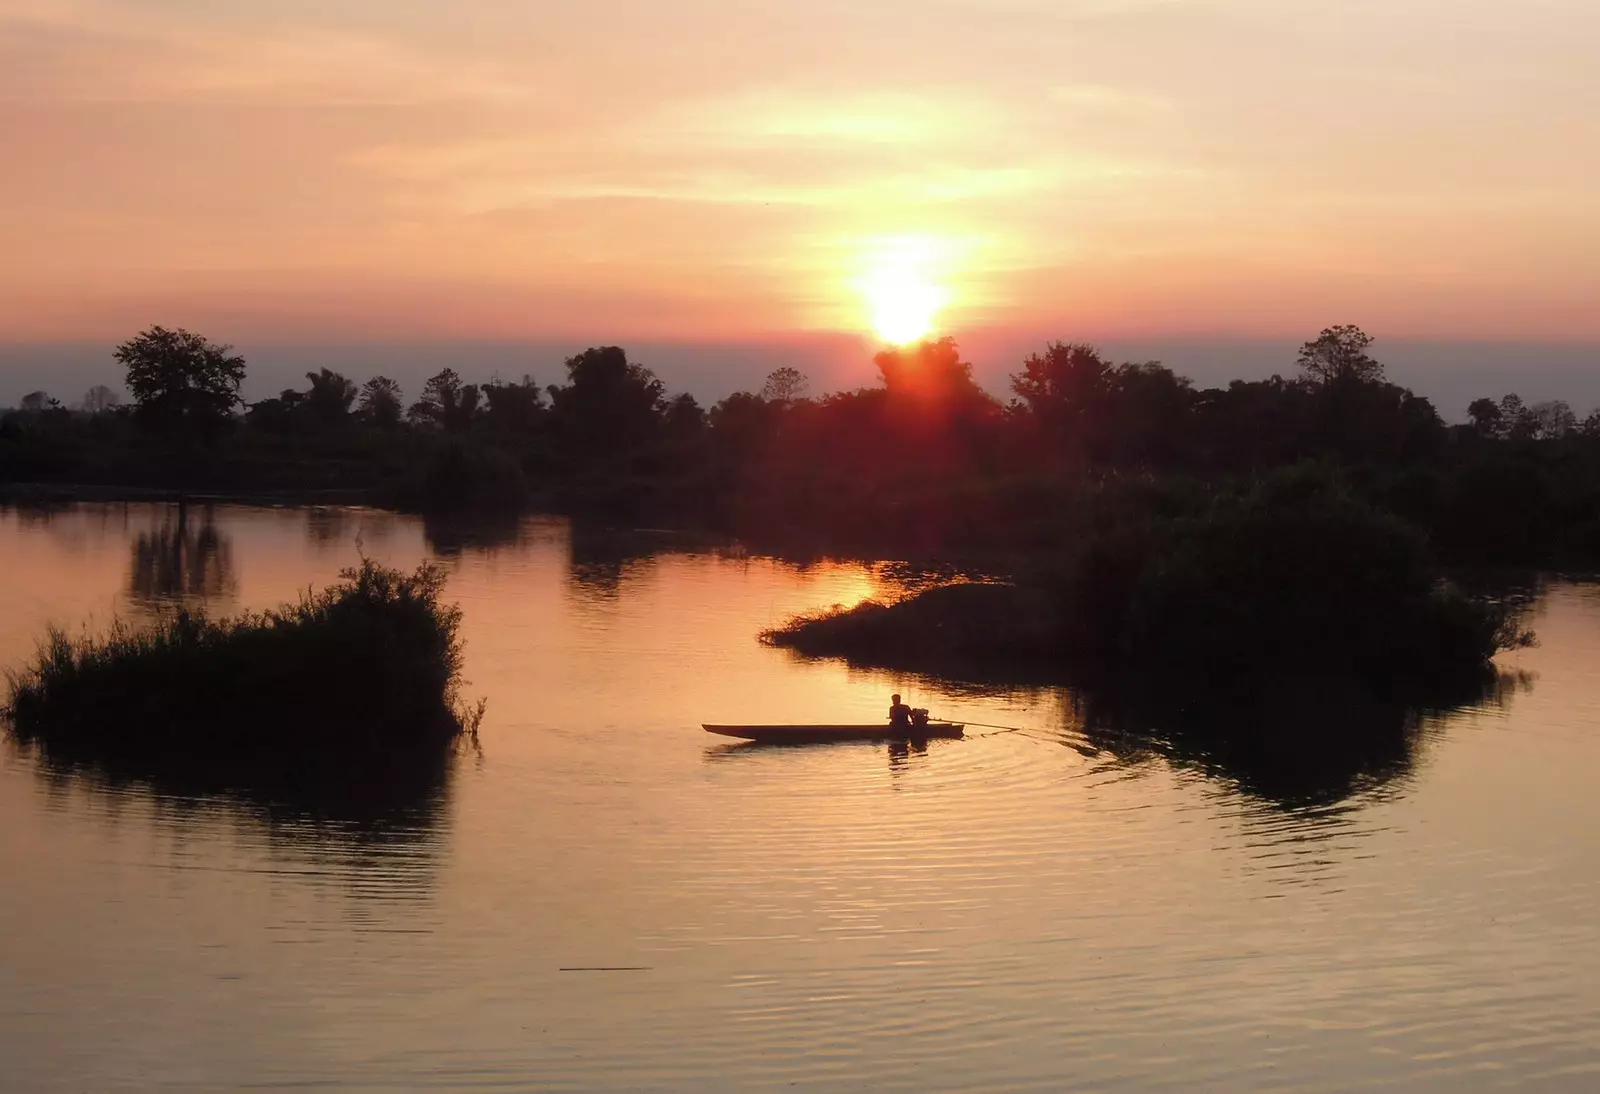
816 734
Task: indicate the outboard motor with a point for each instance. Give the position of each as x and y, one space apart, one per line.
919 717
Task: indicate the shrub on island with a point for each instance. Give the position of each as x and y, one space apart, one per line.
1293 575
357 683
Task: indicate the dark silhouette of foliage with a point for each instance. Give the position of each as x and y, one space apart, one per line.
930 374
1087 410
446 402
381 403
785 385
925 461
1293 574
355 684
457 474
1339 356
1552 420
685 426
514 408
330 398
1486 418
182 383
100 399
1064 388
608 404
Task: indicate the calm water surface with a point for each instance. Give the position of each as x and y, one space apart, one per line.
1055 909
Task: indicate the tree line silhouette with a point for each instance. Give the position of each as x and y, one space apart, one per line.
925 458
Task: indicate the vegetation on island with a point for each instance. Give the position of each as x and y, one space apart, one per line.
351 688
1290 576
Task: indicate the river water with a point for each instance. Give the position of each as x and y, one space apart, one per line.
604 898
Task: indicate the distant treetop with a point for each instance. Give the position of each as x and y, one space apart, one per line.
180 381
1339 356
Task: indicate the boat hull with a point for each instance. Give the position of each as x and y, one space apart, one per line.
820 733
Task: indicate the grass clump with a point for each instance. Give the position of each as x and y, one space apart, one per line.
361 677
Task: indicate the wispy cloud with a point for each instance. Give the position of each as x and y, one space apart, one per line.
1216 151
84 51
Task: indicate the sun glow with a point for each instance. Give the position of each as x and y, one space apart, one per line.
901 291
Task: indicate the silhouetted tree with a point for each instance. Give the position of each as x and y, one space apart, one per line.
742 422
446 402
181 383
685 418
608 404
785 385
381 402
1552 420
34 402
514 408
1339 356
330 398
100 399
1146 416
929 372
1065 390
1486 418
1519 424
277 415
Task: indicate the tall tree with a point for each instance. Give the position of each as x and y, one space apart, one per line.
1486 418
381 402
1065 389
785 385
608 404
181 382
1339 356
1553 420
99 399
330 397
446 402
514 408
1067 373
929 372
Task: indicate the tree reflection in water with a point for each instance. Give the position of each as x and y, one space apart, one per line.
449 535
375 837
1292 744
182 561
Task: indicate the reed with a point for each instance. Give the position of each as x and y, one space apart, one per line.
354 682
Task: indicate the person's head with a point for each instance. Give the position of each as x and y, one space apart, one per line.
895 699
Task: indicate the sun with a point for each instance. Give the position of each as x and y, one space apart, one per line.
903 310
902 296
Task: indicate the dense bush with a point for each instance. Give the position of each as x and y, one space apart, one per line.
1292 575
349 683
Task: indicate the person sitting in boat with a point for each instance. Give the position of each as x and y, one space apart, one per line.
899 714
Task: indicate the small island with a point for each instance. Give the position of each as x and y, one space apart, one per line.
352 693
1293 576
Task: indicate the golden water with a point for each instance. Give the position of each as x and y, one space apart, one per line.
1045 910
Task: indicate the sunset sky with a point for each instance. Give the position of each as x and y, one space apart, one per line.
711 172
